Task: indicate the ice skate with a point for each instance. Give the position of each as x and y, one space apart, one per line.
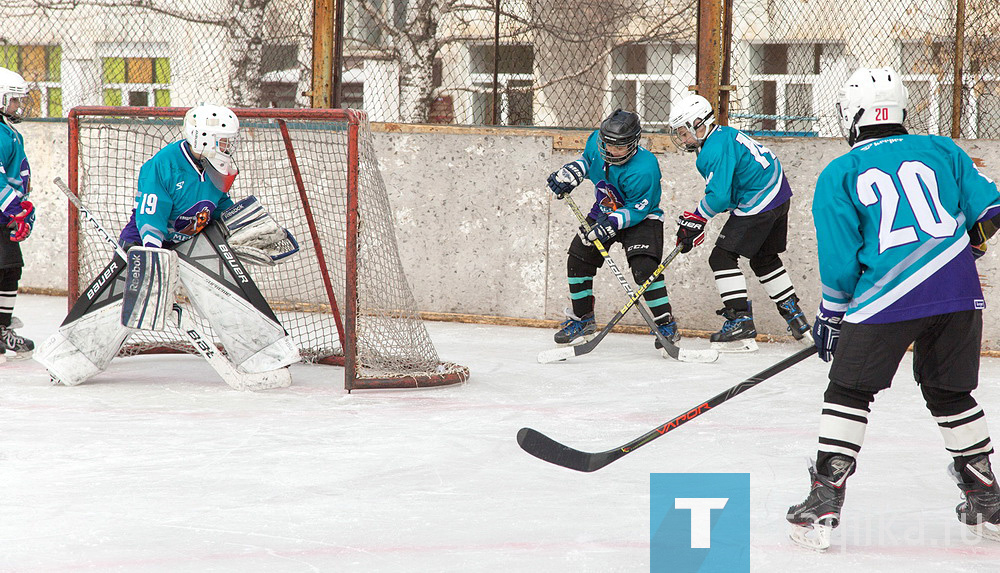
797 323
981 509
669 331
815 518
12 342
576 330
738 333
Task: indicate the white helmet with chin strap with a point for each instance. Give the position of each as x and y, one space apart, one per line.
692 113
211 132
871 96
12 87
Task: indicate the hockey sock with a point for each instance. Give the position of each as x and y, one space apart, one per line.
729 279
8 293
656 296
772 276
580 276
843 423
962 423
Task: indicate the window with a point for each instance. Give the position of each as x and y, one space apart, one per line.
41 67
136 81
782 99
515 94
646 78
279 73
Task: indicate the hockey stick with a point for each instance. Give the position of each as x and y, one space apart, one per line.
549 450
669 348
223 366
557 354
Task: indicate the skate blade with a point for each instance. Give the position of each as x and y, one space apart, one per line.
19 355
746 345
986 531
815 537
806 340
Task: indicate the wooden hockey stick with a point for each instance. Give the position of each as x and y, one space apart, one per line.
669 348
279 378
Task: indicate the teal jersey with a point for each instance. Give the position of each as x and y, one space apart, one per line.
175 199
740 174
626 193
892 217
16 174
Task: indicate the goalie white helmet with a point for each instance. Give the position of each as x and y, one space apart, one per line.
871 96
13 92
211 131
687 120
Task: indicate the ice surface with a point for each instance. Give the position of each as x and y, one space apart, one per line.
156 465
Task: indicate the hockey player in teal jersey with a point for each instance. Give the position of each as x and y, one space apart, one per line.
745 178
185 185
17 214
895 217
184 231
626 209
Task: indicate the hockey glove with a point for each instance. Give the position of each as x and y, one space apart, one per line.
826 332
567 178
690 230
20 223
603 230
981 232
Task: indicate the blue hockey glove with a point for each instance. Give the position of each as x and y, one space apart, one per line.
826 332
567 178
604 229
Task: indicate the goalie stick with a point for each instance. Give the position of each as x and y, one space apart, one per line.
549 450
222 365
669 348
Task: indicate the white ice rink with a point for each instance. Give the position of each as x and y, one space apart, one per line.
156 465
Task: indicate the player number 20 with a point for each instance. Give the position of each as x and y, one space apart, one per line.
148 204
877 186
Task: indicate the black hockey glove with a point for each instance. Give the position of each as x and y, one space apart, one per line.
567 178
602 230
690 230
826 332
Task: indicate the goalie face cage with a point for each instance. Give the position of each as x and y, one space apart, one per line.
343 297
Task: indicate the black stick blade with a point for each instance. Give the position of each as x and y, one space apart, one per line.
549 450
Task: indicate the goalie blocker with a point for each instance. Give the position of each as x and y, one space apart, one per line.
220 290
255 236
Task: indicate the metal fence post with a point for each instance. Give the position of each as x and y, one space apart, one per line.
957 80
323 53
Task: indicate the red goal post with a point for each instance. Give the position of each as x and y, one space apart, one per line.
343 297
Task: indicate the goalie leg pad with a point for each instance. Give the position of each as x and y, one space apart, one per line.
84 347
150 284
254 341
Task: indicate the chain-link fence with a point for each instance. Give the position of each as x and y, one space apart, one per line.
554 63
789 58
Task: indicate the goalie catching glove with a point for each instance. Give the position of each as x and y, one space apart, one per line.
255 236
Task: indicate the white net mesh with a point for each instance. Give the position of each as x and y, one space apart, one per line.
393 347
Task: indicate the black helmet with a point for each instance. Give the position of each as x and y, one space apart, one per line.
621 128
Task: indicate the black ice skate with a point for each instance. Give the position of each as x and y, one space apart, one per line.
668 329
576 330
814 519
981 508
738 333
12 342
797 323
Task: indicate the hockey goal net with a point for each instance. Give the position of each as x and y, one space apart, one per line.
343 297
